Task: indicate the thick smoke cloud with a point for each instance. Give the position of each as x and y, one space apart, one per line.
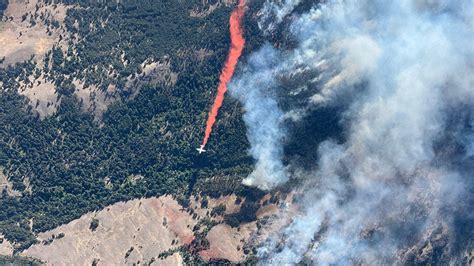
403 175
255 90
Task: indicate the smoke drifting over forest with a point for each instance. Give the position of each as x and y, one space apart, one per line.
395 182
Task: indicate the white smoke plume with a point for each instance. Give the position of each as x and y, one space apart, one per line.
403 175
254 89
273 13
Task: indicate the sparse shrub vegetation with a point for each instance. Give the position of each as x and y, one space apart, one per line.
94 224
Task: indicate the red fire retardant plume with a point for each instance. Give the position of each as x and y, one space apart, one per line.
235 51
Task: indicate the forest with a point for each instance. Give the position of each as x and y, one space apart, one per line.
72 162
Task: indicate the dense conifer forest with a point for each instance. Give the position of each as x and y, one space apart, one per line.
73 162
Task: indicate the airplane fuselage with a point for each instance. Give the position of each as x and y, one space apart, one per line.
201 149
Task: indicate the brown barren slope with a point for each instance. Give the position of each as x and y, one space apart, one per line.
141 228
20 39
6 248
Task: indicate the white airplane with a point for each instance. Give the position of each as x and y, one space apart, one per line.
201 149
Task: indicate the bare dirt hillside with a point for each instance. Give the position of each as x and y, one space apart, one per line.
27 31
5 185
226 242
6 249
133 232
138 231
23 34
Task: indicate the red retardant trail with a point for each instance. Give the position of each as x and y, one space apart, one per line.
235 51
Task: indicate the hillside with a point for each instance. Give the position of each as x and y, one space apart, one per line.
89 120
346 136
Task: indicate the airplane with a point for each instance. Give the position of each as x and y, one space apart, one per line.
201 149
